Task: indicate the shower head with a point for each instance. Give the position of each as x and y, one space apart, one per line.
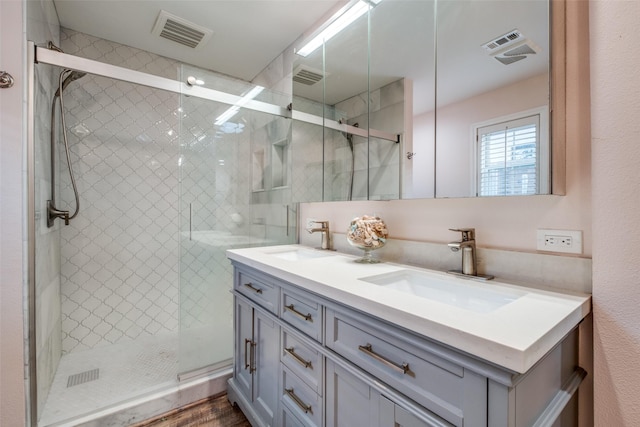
72 76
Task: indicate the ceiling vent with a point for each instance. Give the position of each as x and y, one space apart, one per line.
307 75
517 53
511 47
503 41
180 30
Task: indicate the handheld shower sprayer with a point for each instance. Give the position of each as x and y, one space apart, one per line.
66 77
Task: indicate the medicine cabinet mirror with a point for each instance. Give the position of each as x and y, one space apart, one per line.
465 85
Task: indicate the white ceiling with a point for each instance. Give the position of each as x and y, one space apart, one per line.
247 34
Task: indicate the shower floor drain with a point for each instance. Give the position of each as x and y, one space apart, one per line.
83 377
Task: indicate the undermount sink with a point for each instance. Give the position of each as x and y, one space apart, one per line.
300 254
452 291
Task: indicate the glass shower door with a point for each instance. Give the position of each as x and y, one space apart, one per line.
234 192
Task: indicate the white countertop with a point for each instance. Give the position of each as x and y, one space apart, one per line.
514 336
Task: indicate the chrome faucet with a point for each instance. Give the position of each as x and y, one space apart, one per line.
468 247
324 229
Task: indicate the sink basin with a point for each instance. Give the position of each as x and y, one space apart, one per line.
301 254
459 293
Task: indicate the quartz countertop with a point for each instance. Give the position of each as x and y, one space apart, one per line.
514 336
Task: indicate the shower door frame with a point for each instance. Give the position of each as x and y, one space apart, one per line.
36 55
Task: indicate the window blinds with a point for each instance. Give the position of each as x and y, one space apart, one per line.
508 157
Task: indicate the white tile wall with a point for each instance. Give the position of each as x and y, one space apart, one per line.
121 257
120 271
151 165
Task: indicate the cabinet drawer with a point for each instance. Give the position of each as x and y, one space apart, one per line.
290 420
300 399
437 384
301 359
257 290
303 313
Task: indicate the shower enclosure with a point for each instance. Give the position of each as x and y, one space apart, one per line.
130 302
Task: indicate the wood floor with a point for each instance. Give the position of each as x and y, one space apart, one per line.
215 411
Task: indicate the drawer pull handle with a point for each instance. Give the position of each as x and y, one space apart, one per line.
246 353
306 408
252 359
250 286
297 358
366 349
306 317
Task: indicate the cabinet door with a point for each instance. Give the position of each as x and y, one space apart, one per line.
394 415
243 354
266 334
404 418
349 401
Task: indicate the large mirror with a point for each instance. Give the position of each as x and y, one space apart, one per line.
465 85
492 92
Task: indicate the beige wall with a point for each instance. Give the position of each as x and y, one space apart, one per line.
12 395
615 115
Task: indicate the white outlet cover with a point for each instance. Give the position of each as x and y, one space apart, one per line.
576 241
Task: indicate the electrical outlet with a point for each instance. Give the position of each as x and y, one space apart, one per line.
562 241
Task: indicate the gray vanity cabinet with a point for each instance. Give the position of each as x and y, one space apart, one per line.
257 342
350 401
392 414
353 402
305 360
416 369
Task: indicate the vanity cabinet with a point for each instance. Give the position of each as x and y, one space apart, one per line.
256 361
416 369
306 360
353 402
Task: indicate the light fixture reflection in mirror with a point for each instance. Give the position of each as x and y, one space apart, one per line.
337 24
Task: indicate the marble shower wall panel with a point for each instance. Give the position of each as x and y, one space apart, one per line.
120 271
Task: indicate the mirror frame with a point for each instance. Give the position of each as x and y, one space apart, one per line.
558 111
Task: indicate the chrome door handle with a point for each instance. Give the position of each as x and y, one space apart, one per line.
306 317
366 349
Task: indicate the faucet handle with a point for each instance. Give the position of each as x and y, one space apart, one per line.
467 233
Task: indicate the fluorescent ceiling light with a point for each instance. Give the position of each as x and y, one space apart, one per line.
342 22
233 110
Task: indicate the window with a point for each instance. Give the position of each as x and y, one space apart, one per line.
508 157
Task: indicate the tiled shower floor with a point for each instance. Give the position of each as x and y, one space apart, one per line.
126 370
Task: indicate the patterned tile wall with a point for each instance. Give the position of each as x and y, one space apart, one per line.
148 169
120 271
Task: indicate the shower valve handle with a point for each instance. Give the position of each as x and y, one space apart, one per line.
53 213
